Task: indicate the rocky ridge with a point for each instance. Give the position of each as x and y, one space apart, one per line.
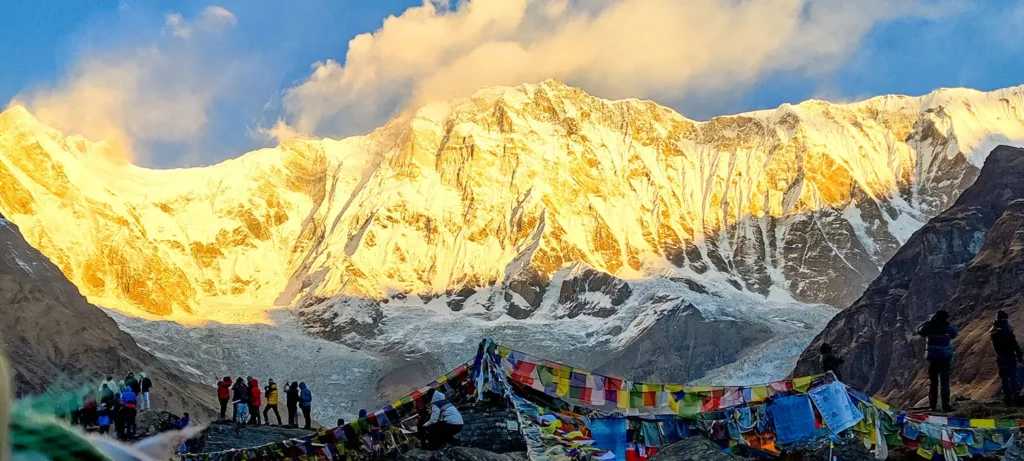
53 336
968 261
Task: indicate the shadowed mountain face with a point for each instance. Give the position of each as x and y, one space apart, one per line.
968 261
50 333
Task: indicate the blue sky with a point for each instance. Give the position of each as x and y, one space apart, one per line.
245 73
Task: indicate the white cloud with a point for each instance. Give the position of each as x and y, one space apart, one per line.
216 17
178 26
136 96
614 48
213 18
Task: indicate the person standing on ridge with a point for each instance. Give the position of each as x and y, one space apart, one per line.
103 419
131 403
144 385
224 395
255 401
131 383
306 403
107 390
293 403
119 413
830 361
940 334
271 393
240 398
1008 355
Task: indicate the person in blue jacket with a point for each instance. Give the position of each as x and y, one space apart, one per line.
131 402
305 403
939 333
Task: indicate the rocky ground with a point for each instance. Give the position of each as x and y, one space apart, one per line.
227 436
463 454
693 449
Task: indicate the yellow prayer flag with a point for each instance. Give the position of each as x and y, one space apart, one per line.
880 404
758 393
673 387
673 404
442 379
698 389
924 453
984 423
802 383
563 387
623 400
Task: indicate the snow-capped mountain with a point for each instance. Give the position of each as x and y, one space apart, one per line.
527 213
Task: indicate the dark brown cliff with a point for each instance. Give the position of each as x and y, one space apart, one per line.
50 333
965 260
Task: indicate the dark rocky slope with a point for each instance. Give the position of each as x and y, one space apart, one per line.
966 260
50 333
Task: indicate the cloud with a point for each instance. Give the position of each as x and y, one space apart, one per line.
178 26
135 97
213 18
613 48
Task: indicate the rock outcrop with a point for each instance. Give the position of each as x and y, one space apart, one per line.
50 333
968 261
695 448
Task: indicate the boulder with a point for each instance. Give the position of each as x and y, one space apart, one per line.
696 448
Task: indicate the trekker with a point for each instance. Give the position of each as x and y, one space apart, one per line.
1008 355
132 383
305 403
107 390
107 394
444 424
103 419
293 403
131 404
271 391
830 361
255 401
87 415
145 385
241 400
940 334
224 395
183 422
119 414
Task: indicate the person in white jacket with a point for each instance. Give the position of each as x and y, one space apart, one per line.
444 424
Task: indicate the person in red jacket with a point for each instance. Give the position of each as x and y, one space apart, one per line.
224 395
255 400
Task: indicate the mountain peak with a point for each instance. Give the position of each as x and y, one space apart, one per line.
523 181
16 114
